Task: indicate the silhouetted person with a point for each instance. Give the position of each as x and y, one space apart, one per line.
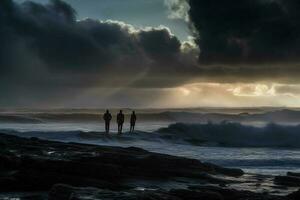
107 117
120 121
132 121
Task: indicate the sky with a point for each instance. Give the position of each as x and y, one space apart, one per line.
149 53
139 13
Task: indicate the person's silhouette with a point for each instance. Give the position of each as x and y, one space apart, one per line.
107 117
132 121
120 121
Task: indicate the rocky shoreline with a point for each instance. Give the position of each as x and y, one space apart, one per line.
37 169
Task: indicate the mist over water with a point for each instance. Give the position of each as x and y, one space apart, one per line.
232 138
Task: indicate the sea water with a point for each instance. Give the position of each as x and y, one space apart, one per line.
270 160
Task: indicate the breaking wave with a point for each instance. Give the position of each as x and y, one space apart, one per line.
235 134
275 116
223 134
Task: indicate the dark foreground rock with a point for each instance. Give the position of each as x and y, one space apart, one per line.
79 171
294 195
206 193
291 179
33 164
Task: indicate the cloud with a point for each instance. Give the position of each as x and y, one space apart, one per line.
45 49
248 31
50 36
244 41
47 54
234 95
178 9
288 89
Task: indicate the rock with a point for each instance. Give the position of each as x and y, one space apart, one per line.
31 197
232 194
229 171
294 195
80 171
9 162
293 174
40 164
34 139
292 181
195 195
62 192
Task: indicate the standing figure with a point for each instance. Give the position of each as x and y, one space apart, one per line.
120 121
132 121
107 117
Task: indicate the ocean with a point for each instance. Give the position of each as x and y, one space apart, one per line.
261 141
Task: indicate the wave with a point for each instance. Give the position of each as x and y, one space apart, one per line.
90 137
269 162
225 134
235 134
19 119
48 117
185 116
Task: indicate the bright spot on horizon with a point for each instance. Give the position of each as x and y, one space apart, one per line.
185 91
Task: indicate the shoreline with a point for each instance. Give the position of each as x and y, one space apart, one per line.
33 165
257 160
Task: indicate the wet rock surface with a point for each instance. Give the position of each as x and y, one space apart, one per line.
291 179
206 193
79 171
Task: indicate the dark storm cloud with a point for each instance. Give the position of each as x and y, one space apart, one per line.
54 35
50 36
158 44
247 31
49 57
46 53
